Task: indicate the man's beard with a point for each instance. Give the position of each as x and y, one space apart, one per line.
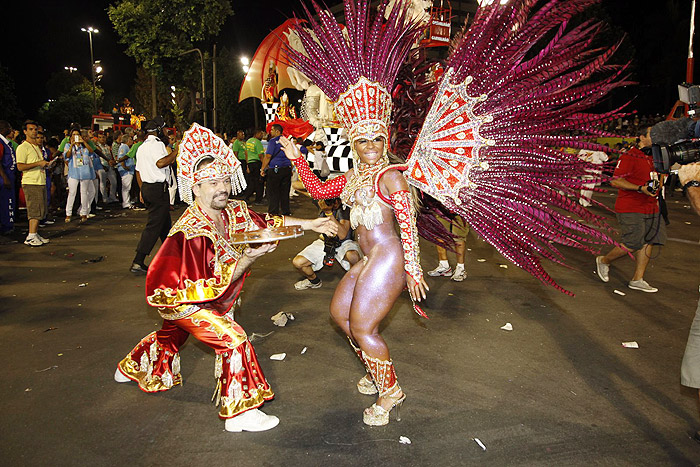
219 203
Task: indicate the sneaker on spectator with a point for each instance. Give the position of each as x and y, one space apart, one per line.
33 242
642 285
602 269
42 239
440 271
459 275
307 284
91 215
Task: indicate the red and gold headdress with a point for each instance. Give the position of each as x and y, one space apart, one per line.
197 144
356 66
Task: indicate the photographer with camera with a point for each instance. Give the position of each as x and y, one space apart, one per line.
326 250
637 210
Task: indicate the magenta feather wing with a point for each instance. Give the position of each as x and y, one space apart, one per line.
489 146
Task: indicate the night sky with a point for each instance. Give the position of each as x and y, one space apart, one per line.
55 40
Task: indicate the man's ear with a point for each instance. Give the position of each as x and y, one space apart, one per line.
195 189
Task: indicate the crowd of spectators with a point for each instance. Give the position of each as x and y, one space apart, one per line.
83 170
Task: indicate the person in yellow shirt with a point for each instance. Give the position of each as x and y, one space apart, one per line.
33 167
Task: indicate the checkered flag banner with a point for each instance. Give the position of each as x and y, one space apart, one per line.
334 135
339 157
270 111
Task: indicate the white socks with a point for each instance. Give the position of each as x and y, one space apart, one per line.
444 264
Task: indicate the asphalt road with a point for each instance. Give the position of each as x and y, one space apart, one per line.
559 389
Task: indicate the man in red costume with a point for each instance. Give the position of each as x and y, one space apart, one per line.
195 281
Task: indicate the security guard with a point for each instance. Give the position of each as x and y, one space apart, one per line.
153 160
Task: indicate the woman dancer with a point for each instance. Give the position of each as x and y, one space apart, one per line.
358 80
376 193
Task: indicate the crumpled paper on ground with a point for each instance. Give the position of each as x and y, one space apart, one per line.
278 356
281 318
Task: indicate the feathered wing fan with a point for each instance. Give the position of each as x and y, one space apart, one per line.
487 149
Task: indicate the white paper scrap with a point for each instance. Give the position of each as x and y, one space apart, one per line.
619 292
404 440
507 327
504 266
83 284
280 319
303 351
481 260
630 345
478 441
278 356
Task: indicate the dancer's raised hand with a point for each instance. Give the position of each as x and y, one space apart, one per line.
290 149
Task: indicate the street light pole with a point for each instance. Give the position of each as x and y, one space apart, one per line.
214 110
90 30
204 89
246 68
70 69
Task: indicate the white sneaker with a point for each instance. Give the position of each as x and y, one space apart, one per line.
440 271
602 269
33 242
252 420
42 239
91 215
459 275
307 284
119 377
642 285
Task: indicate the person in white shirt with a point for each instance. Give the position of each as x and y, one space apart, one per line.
153 160
595 157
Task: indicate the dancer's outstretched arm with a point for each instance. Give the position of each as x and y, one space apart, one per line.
318 189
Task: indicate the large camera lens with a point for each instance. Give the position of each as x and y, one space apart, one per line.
682 153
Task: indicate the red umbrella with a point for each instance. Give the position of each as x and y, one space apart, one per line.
270 49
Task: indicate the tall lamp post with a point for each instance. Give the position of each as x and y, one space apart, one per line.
90 30
204 89
246 67
70 69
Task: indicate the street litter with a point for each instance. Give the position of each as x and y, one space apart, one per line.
303 351
256 336
688 223
278 356
51 329
507 327
83 284
53 367
404 440
28 390
619 293
478 441
281 318
481 260
504 266
94 260
630 345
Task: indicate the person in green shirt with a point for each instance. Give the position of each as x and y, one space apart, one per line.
254 151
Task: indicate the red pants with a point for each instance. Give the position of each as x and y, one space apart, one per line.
155 363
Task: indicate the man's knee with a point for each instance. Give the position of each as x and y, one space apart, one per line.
300 262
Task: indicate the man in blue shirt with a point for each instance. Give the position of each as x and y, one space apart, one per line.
278 170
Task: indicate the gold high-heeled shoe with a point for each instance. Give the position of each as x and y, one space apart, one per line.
376 415
366 386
